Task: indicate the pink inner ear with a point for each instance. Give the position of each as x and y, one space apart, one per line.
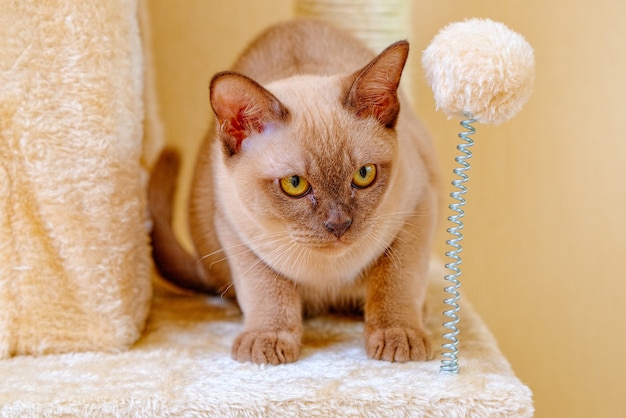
245 121
234 128
379 102
231 120
383 106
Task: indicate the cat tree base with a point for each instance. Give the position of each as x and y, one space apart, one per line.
182 367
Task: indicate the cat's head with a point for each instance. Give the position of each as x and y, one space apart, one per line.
311 156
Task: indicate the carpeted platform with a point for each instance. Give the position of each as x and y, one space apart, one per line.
182 367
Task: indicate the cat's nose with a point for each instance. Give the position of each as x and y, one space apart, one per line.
338 224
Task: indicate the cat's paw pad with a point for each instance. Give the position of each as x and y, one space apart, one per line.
398 344
266 347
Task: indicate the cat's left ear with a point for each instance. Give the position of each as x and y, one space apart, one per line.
373 90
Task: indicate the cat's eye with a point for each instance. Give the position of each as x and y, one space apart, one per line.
364 176
294 186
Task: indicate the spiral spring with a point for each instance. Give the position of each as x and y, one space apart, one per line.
449 364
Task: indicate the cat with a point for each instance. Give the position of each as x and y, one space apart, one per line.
312 192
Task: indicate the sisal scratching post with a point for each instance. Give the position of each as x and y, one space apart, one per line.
377 23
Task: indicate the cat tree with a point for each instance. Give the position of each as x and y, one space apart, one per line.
180 365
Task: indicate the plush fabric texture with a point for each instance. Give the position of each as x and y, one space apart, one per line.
75 260
480 68
182 367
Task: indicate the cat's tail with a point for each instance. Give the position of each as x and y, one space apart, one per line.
172 261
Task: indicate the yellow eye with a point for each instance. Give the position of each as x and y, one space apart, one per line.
364 176
295 186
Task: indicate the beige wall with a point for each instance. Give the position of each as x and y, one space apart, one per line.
543 240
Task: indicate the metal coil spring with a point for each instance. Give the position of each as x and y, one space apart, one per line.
449 364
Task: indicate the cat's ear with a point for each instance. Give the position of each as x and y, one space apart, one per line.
373 90
242 107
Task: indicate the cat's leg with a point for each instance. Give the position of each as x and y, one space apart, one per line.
396 290
394 323
272 319
272 313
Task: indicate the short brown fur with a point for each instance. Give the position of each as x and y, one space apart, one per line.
297 104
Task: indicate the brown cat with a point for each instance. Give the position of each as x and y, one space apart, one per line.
313 192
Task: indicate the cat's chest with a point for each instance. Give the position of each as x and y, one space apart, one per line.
328 268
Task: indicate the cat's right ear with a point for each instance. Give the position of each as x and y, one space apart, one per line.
242 107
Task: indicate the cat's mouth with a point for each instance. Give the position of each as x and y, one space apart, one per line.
322 245
336 246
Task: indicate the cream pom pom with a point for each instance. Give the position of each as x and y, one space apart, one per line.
480 69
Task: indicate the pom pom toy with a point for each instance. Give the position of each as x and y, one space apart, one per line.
482 71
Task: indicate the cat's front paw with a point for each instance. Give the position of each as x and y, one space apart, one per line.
398 344
266 347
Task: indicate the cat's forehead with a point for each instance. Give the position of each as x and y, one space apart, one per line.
274 153
318 115
309 94
321 135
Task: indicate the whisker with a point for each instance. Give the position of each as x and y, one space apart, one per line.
248 250
226 290
246 243
280 249
408 214
216 262
410 234
389 250
304 254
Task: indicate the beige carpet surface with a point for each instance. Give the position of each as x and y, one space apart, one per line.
182 367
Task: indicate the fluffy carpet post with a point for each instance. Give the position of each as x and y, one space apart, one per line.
75 270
